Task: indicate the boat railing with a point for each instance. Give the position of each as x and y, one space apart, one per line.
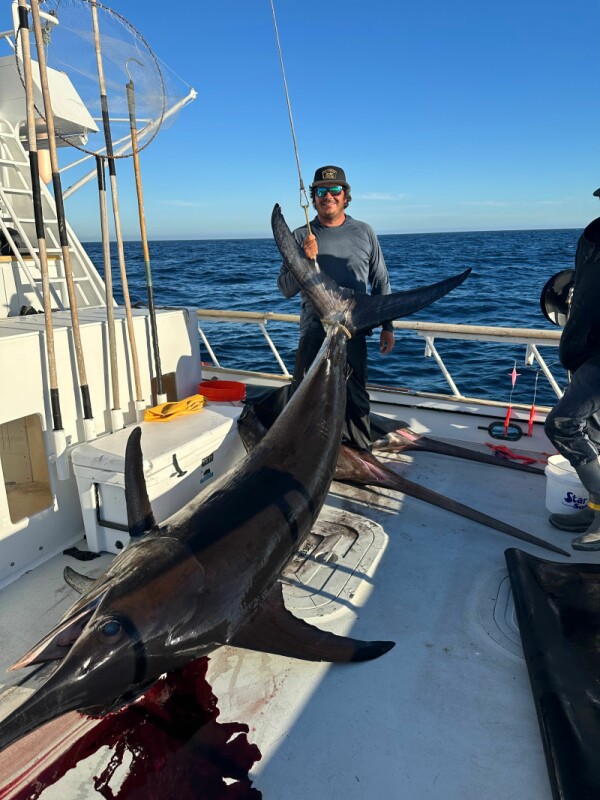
532 338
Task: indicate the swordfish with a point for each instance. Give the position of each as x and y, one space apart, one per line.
210 575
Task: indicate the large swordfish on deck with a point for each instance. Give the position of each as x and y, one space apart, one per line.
211 575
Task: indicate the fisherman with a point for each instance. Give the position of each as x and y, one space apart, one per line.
348 251
573 425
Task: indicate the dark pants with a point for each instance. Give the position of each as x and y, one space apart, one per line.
573 425
357 429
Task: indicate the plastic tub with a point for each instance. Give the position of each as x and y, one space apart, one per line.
222 391
564 490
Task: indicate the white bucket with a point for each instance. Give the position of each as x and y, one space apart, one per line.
564 491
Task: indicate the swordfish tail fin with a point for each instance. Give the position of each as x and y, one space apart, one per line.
359 313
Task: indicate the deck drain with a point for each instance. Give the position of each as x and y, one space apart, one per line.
497 614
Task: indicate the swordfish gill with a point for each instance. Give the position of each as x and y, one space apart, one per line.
209 576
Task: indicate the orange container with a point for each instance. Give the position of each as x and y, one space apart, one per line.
222 390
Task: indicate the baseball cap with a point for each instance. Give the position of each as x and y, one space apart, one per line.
329 176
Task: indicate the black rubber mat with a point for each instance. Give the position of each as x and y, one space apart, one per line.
558 608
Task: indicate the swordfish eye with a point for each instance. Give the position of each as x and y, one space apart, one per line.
110 630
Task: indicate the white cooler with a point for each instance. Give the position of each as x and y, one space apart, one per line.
182 458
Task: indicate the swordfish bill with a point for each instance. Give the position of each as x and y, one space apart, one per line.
358 313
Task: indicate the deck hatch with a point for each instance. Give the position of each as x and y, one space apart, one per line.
336 562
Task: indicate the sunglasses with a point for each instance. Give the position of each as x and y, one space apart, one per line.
333 191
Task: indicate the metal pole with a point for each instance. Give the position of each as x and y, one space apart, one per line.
160 396
60 444
89 429
116 413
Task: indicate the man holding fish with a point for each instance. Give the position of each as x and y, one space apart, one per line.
348 251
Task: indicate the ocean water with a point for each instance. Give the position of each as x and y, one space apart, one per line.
509 271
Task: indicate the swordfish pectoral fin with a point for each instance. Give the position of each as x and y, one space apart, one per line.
81 583
140 517
274 629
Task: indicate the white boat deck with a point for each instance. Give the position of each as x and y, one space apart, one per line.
442 715
447 714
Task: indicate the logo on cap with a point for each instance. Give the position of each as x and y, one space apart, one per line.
329 174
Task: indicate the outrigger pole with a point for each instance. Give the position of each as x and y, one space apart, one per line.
140 405
60 443
88 417
160 396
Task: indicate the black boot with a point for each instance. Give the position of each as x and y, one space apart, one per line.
589 475
577 522
590 540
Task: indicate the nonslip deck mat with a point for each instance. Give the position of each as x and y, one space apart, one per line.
558 609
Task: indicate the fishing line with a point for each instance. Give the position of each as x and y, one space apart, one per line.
305 205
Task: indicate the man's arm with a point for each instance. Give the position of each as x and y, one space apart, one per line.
288 285
380 284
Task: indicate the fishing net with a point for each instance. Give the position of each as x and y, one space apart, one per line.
92 54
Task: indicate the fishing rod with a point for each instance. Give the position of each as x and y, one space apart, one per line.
88 417
116 414
60 442
130 88
115 204
305 205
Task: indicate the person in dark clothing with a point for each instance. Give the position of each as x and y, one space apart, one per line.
349 252
573 425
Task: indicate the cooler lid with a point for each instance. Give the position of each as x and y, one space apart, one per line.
160 440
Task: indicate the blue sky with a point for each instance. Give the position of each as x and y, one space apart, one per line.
445 116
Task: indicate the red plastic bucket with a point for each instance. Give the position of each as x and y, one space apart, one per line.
222 391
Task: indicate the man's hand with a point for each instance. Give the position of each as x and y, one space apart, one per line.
311 248
386 342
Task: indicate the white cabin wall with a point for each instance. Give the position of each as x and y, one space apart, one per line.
23 392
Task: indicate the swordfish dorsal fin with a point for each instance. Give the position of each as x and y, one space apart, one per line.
274 629
140 517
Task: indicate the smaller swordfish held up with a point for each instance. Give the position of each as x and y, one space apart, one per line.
210 576
362 468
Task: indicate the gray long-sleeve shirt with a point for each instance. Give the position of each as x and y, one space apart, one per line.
348 253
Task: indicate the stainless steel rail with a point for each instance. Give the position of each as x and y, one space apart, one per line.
532 338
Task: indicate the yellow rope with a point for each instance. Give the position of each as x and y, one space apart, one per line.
340 325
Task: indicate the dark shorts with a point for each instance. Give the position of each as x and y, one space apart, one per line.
357 429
